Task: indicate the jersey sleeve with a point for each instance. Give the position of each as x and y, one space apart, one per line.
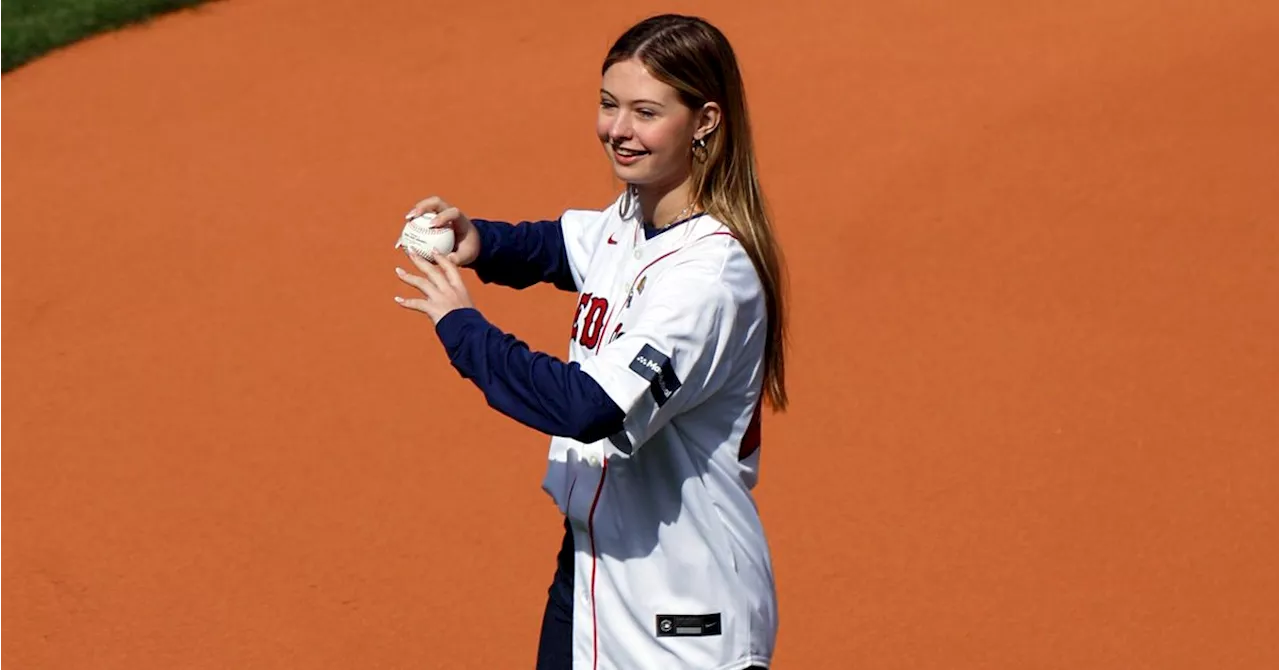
672 355
583 231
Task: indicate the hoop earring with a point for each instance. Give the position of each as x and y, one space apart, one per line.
630 201
700 149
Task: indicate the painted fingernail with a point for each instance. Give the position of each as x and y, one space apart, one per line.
399 300
400 272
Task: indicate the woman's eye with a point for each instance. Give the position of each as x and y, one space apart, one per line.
605 104
645 113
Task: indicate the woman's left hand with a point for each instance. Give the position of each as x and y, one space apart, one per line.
441 284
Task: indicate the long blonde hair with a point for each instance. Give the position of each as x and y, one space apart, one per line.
694 57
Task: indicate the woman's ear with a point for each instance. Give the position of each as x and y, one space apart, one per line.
708 121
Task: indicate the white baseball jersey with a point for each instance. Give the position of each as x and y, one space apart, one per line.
671 565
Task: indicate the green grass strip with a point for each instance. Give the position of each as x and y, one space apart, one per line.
32 28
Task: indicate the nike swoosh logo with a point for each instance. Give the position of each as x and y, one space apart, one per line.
610 240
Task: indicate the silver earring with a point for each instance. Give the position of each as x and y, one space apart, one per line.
700 149
629 201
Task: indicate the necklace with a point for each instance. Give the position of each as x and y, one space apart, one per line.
640 224
681 215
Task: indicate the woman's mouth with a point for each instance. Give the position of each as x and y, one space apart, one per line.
625 156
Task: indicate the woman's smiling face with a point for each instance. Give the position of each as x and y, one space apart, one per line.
646 130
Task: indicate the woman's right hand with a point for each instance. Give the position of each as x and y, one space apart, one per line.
466 240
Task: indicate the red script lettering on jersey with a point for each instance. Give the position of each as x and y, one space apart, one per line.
588 329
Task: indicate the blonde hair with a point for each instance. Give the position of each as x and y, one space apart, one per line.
695 58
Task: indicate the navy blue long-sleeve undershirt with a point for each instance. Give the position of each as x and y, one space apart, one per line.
536 389
523 254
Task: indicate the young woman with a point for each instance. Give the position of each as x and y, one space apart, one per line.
677 340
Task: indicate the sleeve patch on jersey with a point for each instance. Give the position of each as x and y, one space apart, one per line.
655 367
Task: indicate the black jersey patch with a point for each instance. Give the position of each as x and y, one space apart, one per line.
655 367
688 625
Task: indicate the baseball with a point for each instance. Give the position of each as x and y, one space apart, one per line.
420 238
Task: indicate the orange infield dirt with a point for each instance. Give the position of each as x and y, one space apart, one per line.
1033 260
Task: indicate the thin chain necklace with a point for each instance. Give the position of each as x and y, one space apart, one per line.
683 213
687 211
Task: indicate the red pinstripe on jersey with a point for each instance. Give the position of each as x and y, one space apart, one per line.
591 533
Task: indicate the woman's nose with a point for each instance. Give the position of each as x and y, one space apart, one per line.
621 128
